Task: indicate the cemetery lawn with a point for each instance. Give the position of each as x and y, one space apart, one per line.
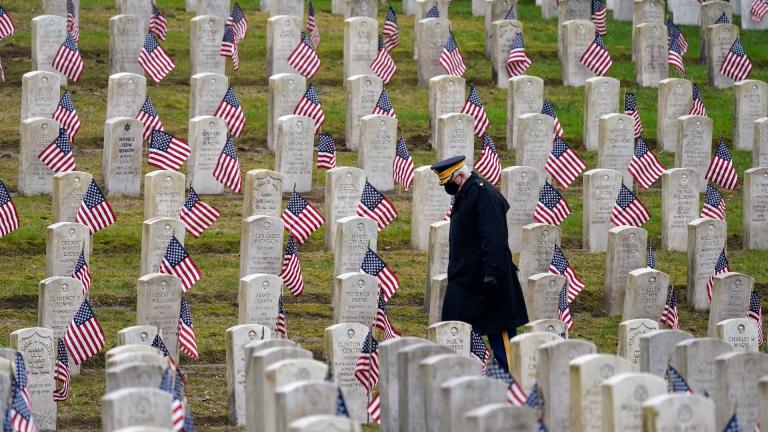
115 261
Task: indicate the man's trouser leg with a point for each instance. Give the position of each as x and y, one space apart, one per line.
500 347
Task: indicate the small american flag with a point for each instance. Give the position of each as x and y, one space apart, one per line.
61 373
630 109
149 118
433 12
66 115
301 218
669 316
644 166
517 61
551 208
628 210
227 170
675 382
9 217
291 271
312 28
228 47
304 58
533 400
309 106
390 30
177 262
157 23
402 166
733 424
383 65
723 19
478 350
18 416
375 266
231 112
95 211
159 343
384 106
367 368
237 21
68 60
714 204
281 326
81 271
197 215
516 396
326 151
167 151
549 109
341 404
721 266
84 337
7 27
596 57
447 216
736 64
511 14
382 321
721 169
599 12
187 339
560 265
451 59
20 378
758 10
73 26
563 164
489 164
474 107
755 313
698 103
674 32
651 258
374 205
176 389
154 60
675 57
374 408
563 309
58 154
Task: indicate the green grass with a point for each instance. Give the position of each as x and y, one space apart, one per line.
115 265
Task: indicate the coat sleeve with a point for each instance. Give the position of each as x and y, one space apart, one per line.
492 226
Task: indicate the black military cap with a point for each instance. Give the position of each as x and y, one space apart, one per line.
445 169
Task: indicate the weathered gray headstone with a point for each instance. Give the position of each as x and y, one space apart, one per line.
126 94
524 355
694 146
706 239
629 338
207 137
293 8
126 38
462 395
59 297
542 293
495 12
437 256
420 12
356 296
205 35
361 8
163 194
237 338
263 193
133 375
219 8
362 94
494 417
627 251
257 298
651 65
155 235
720 38
446 96
750 103
361 44
755 226
294 152
675 100
206 90
39 94
740 333
576 36
535 133
616 144
601 97
323 423
587 373
63 243
502 36
646 294
38 347
68 192
285 91
431 204
707 16
354 235
657 349
437 370
137 335
601 187
525 95
135 407
455 137
343 343
58 7
35 178
142 8
261 246
343 189
453 334
6 376
645 11
694 359
303 398
623 397
680 206
679 411
411 400
623 10
388 379
572 10
520 186
378 141
158 303
737 386
431 35
283 34
123 149
554 326
437 288
48 33
539 242
730 298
